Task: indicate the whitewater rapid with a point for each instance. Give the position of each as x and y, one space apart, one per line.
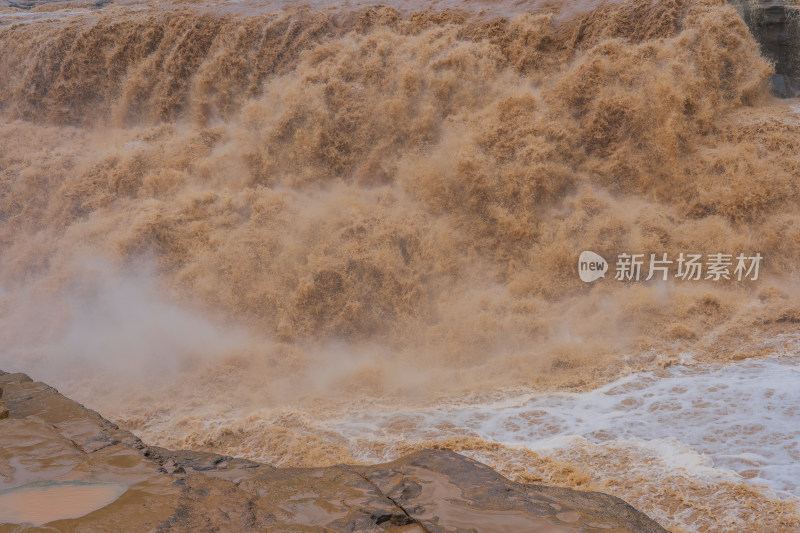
737 422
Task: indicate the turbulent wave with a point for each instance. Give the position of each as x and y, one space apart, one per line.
381 200
423 181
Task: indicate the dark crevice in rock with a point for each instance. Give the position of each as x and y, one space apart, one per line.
394 519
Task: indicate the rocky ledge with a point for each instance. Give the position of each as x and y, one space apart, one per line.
48 439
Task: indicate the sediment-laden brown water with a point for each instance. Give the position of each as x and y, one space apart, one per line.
244 227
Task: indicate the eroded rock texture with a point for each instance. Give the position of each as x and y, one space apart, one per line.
48 437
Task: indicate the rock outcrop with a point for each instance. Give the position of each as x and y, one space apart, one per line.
48 437
776 26
3 409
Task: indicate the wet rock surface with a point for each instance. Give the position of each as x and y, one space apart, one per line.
48 437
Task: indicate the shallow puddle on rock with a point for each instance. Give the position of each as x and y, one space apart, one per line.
41 503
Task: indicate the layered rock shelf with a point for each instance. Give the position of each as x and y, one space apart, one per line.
50 442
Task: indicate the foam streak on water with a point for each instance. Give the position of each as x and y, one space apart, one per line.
736 422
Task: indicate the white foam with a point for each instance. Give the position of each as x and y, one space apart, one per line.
735 422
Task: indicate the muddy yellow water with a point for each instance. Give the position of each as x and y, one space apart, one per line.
223 224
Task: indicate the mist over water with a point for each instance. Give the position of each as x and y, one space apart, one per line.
273 210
